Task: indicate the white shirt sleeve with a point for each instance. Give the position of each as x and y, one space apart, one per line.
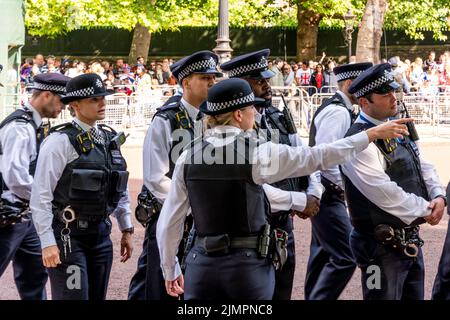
367 174
327 131
431 178
281 200
18 141
169 229
123 212
315 186
275 162
155 158
56 152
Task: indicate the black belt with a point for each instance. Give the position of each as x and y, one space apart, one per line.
222 242
333 188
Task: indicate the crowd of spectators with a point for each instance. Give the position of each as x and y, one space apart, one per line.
426 76
118 76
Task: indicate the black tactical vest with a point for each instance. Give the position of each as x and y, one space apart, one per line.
223 197
403 167
94 183
25 116
173 111
275 119
336 100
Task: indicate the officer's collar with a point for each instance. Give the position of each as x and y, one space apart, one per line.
36 116
347 101
229 130
83 125
368 119
192 111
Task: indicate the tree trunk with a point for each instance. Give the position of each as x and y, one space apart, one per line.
371 31
140 45
307 31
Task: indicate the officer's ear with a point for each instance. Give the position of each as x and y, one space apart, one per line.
363 102
237 115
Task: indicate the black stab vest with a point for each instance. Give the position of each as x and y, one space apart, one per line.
94 183
275 120
223 197
336 100
169 112
403 168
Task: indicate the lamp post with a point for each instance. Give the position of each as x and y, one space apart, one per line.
349 20
223 49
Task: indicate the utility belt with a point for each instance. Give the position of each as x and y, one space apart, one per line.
272 244
148 208
406 240
68 215
331 189
13 213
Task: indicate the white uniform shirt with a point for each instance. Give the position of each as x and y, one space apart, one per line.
293 162
281 200
367 173
18 141
56 153
332 124
157 144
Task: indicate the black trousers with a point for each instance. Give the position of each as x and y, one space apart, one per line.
20 244
240 274
441 287
148 281
84 273
331 264
387 274
284 278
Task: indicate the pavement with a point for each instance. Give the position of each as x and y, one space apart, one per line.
435 150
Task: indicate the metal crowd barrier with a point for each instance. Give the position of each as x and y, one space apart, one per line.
430 111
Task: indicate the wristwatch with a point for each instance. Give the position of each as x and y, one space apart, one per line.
443 198
129 230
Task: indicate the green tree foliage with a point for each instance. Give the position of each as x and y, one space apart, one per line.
52 17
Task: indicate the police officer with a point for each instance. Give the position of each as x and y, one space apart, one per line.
172 128
331 264
219 178
80 180
390 190
299 195
441 287
21 134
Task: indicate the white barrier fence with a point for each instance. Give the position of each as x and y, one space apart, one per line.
430 111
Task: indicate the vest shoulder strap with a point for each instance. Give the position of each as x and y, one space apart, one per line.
19 115
71 131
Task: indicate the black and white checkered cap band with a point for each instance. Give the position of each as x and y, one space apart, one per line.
217 106
81 93
197 66
242 70
348 75
386 78
48 87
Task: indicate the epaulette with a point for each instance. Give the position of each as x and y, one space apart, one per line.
172 103
18 115
60 127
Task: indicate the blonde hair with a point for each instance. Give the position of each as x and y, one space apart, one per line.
218 120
